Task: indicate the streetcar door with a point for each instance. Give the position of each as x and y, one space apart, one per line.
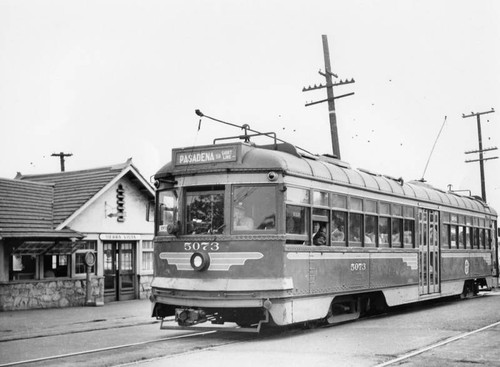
429 255
119 271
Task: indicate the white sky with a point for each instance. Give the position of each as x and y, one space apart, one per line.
109 80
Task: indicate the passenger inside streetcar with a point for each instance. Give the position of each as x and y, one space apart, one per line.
319 237
241 220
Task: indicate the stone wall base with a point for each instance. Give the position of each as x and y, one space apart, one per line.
53 293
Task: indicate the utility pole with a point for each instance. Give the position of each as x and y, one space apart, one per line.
61 156
481 150
330 96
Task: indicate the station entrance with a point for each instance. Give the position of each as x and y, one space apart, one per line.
120 272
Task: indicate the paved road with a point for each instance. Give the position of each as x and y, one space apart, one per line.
367 342
373 341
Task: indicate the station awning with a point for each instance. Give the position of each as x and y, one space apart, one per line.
48 247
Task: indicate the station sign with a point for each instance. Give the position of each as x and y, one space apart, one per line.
120 237
204 156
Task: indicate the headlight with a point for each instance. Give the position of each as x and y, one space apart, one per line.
200 261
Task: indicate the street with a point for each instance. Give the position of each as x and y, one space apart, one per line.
408 336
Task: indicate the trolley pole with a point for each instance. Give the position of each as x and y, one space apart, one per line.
481 150
61 156
328 74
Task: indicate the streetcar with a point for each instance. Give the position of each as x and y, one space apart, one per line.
270 235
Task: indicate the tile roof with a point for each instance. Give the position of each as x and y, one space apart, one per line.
72 189
25 207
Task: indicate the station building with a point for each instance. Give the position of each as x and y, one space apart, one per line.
50 222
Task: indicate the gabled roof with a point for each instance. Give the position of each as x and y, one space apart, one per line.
25 206
76 190
26 210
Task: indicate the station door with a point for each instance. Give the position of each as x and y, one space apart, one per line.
429 251
119 271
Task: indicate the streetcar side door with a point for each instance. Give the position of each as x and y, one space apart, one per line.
429 252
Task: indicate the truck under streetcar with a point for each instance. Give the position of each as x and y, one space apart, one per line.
268 235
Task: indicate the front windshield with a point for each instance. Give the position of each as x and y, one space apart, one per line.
205 212
254 208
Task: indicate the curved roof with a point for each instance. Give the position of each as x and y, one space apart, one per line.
284 157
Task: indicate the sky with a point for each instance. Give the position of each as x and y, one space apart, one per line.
109 80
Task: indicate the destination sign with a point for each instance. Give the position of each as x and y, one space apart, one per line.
226 154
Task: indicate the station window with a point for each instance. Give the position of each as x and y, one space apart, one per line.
80 267
355 229
338 228
23 267
147 256
384 231
55 266
371 228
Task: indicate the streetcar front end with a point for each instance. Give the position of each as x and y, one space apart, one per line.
218 246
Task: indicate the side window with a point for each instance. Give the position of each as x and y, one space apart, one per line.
445 240
481 238
476 237
321 225
396 224
384 231
355 229
371 227
453 236
338 228
488 239
461 237
409 233
296 219
167 210
468 243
